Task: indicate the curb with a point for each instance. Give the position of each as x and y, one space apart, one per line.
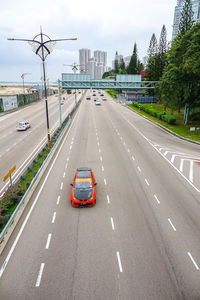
164 128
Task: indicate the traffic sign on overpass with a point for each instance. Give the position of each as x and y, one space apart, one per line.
84 81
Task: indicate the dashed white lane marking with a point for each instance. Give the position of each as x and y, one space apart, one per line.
68 159
14 144
191 170
66 166
101 158
58 200
61 186
133 158
8 150
105 181
40 275
64 175
108 199
128 150
119 262
98 143
192 259
156 199
124 144
54 217
70 147
170 222
72 142
146 181
120 137
139 169
112 223
99 150
48 241
102 167
166 153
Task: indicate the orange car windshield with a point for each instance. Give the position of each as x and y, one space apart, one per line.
83 184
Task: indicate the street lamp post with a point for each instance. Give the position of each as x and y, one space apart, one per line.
22 77
42 45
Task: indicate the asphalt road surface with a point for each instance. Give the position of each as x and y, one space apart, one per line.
141 239
18 147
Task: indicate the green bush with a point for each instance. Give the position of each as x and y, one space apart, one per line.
195 116
169 119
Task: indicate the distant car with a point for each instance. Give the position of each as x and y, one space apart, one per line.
94 94
23 125
98 102
104 99
83 188
102 94
96 99
88 98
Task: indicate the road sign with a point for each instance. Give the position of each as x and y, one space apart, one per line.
9 173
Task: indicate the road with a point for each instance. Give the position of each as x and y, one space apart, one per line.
140 241
18 147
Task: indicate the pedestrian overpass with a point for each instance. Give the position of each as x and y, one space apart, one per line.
122 82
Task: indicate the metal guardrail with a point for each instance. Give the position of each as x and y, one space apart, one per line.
22 201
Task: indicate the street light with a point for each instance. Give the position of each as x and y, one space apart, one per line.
22 77
74 67
42 45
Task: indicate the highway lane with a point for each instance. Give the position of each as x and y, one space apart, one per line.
123 248
16 147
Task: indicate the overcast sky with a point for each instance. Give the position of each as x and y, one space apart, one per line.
107 25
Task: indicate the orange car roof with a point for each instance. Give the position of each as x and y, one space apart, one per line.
83 179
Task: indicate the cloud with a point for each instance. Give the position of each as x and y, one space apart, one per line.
107 25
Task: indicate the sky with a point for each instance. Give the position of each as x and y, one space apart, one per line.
108 25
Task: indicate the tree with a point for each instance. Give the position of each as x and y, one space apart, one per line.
132 67
162 50
179 85
186 21
152 65
153 47
122 64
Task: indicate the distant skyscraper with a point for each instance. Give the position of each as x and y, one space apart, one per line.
118 58
84 56
127 60
177 14
95 66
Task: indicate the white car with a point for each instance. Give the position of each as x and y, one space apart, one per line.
23 125
98 102
104 98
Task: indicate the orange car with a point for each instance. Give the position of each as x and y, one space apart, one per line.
83 188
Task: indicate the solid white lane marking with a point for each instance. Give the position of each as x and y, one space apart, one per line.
156 199
61 186
58 200
48 241
139 169
102 167
191 170
174 228
54 217
146 181
172 158
112 223
133 158
108 199
192 259
101 158
64 175
119 262
181 165
105 181
40 275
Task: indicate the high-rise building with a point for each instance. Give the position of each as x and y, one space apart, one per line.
177 14
127 60
84 56
95 66
118 58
